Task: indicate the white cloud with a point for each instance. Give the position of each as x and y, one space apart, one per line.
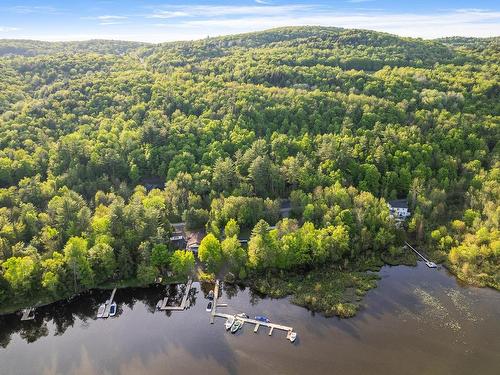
107 23
105 18
263 2
227 10
111 17
7 29
27 9
168 14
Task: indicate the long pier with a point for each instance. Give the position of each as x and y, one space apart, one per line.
258 323
427 261
182 306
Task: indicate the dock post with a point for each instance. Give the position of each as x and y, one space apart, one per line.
271 331
256 328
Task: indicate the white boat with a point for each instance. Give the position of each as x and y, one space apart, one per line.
158 305
292 336
100 312
112 309
431 264
229 323
236 326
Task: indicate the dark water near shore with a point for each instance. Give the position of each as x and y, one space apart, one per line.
418 321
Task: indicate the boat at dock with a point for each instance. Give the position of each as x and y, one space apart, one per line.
209 306
261 318
292 336
229 322
236 326
100 311
112 309
210 295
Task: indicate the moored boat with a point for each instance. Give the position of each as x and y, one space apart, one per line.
112 309
292 336
209 306
242 315
229 323
263 319
236 326
100 311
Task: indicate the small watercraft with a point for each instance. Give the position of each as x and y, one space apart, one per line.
112 309
242 315
236 326
209 306
263 319
100 311
229 323
210 295
292 336
158 305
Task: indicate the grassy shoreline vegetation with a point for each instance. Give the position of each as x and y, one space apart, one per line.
104 144
324 290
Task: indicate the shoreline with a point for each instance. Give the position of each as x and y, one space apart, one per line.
14 308
296 295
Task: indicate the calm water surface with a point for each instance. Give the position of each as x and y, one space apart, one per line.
418 321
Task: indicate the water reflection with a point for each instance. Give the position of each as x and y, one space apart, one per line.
416 321
63 314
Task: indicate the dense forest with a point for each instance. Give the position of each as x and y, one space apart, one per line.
104 144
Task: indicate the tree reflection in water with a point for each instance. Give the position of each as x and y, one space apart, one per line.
60 316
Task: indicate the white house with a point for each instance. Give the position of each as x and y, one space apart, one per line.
399 209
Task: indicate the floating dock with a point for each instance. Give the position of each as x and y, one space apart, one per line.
427 261
214 303
257 323
28 314
107 306
182 306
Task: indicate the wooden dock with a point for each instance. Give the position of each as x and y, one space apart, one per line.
108 304
427 261
28 314
214 303
258 323
184 301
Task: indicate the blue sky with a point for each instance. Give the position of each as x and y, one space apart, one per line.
158 21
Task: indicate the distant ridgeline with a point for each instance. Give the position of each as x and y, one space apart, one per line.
103 144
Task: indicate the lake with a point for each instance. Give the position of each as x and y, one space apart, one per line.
417 321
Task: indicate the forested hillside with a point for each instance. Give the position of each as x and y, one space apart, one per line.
338 121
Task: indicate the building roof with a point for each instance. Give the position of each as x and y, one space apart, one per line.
399 203
194 238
